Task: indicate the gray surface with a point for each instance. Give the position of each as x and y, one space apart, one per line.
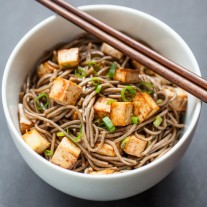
185 186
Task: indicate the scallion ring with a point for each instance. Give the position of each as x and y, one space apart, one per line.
48 153
80 72
158 121
98 88
110 101
135 120
108 123
112 70
42 101
124 142
149 86
131 91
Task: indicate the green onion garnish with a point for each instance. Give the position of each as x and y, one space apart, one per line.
93 64
80 72
158 121
108 123
42 101
95 81
98 88
123 143
135 120
159 101
131 90
78 137
60 134
149 86
109 102
48 153
112 70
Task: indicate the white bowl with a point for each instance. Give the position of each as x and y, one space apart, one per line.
54 30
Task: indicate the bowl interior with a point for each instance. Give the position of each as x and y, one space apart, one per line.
55 30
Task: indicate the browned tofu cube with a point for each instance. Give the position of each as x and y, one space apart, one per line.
106 149
35 141
45 68
121 113
126 75
144 106
101 107
68 58
25 122
102 172
75 115
109 50
137 65
65 91
66 155
134 146
179 98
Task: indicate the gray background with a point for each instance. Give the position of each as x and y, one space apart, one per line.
185 186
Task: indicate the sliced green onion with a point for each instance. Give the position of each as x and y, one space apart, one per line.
131 91
123 143
112 70
135 120
94 64
108 123
80 72
95 81
109 102
98 88
149 86
79 136
48 153
60 134
42 101
159 101
158 121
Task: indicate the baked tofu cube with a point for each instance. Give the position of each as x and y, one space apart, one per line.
68 58
126 75
109 50
66 155
144 106
179 98
121 113
65 91
25 123
45 68
35 141
75 115
106 150
102 172
134 146
101 107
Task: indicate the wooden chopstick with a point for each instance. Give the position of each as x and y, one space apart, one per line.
136 45
163 71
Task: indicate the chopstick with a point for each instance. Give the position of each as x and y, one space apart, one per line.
196 87
136 45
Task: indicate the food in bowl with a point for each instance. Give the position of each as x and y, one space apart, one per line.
91 109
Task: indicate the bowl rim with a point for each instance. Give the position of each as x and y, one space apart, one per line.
142 169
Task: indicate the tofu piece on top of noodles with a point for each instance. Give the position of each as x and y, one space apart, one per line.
144 106
102 172
106 149
134 146
109 50
126 75
45 68
36 141
68 58
25 122
65 91
121 113
66 154
101 107
179 98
